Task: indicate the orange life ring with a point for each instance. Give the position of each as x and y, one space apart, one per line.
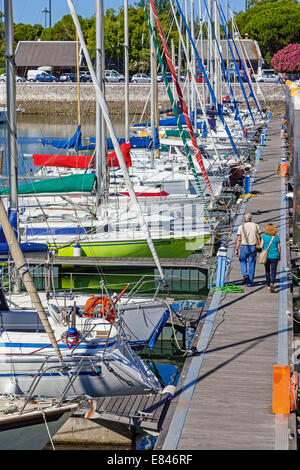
106 311
246 131
294 391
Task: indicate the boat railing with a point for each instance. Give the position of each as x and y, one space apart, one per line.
143 281
80 362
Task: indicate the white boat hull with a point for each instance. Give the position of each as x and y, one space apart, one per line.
30 431
100 365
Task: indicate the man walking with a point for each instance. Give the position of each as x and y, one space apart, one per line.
248 238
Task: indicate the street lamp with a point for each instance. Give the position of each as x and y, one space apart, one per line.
46 12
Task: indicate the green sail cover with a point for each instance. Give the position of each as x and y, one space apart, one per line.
176 133
65 184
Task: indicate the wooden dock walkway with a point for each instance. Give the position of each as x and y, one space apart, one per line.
224 396
127 413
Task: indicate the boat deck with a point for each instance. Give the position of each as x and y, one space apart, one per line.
224 396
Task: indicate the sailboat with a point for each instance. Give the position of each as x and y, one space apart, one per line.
107 238
44 353
90 356
3 114
32 428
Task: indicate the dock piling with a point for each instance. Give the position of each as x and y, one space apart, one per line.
221 267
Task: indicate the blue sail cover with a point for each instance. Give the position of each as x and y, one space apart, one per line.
135 142
163 122
25 247
172 122
75 142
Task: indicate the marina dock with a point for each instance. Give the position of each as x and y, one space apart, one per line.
224 396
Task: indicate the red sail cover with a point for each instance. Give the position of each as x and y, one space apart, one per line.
81 161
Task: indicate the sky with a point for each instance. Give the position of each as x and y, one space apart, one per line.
30 11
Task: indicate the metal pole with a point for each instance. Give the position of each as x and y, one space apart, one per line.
194 101
101 163
227 48
11 105
217 57
209 49
188 87
126 57
78 80
201 45
179 52
50 11
153 92
98 108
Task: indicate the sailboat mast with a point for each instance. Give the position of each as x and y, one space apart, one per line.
11 105
78 80
126 58
101 164
120 157
188 85
201 45
227 49
153 93
217 57
194 102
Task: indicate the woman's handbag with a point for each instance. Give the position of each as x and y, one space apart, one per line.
263 256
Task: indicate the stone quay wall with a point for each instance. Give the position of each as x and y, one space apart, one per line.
61 98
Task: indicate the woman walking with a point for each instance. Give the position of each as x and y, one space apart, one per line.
271 239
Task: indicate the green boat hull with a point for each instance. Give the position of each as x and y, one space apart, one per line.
166 248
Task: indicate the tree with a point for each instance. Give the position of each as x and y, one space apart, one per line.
287 59
63 30
274 24
27 32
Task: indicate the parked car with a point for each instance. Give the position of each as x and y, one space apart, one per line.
267 76
293 76
72 77
18 79
85 77
141 78
67 77
233 76
31 74
45 77
160 77
113 76
198 77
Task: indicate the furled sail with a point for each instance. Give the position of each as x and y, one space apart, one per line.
64 184
75 142
81 161
135 141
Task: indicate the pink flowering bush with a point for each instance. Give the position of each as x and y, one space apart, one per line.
287 59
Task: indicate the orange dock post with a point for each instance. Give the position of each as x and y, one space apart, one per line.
283 167
281 389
